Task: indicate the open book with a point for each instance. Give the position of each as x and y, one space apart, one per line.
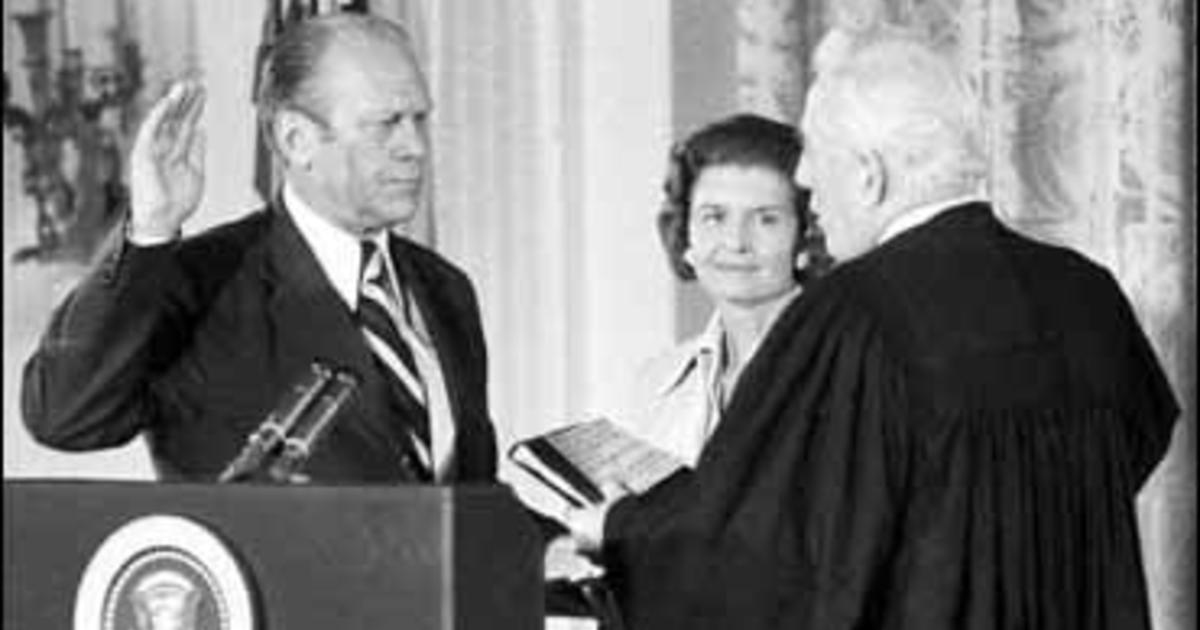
576 461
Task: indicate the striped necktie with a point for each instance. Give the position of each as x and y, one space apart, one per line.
383 323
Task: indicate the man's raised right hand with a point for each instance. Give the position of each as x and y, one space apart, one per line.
166 166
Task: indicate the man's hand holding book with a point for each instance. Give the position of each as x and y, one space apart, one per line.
587 467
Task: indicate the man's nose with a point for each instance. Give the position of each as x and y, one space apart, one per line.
409 140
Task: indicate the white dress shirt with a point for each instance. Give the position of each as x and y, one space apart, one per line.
339 252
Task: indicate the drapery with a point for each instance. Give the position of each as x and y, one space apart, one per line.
1086 107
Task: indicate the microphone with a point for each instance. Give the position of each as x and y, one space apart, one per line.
298 446
303 408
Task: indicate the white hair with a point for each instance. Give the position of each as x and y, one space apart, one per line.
888 91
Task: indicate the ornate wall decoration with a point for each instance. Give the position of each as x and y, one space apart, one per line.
770 80
1046 81
72 133
1155 262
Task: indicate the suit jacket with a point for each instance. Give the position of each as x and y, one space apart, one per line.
947 433
194 342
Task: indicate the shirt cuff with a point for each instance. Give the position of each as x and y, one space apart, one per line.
148 241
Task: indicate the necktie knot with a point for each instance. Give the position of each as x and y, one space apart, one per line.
372 269
376 284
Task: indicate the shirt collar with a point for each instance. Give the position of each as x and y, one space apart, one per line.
337 251
919 215
709 344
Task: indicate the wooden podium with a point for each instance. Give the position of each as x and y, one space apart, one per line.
313 557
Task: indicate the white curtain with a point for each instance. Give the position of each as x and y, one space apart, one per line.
551 123
550 129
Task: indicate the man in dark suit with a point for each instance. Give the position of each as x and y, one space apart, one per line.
192 341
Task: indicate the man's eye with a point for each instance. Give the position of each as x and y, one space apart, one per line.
770 217
383 126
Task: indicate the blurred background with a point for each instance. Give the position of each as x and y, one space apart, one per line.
552 123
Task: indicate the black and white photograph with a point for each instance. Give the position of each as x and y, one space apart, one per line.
600 314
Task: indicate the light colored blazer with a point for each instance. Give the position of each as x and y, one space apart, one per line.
674 402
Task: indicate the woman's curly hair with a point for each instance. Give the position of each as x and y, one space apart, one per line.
739 140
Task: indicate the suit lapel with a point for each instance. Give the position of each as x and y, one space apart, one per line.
313 322
437 317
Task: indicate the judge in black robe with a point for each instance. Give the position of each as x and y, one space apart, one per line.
948 432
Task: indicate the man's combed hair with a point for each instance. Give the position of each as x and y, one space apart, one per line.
740 140
890 90
291 69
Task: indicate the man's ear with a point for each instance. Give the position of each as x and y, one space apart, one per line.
872 182
297 137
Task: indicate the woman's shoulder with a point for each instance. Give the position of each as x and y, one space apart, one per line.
662 371
659 381
665 403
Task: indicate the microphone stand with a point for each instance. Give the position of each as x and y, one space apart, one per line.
282 444
298 446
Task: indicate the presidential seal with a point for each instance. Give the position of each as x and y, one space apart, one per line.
163 572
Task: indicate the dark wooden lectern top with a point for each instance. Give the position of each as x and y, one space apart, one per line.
315 557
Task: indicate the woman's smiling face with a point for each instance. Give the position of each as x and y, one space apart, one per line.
742 231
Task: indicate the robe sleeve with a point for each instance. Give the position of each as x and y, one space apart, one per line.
792 509
1154 409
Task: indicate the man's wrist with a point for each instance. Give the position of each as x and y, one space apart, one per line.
144 236
587 526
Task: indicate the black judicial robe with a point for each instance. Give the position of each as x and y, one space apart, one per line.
946 433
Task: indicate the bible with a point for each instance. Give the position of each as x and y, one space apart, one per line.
576 461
